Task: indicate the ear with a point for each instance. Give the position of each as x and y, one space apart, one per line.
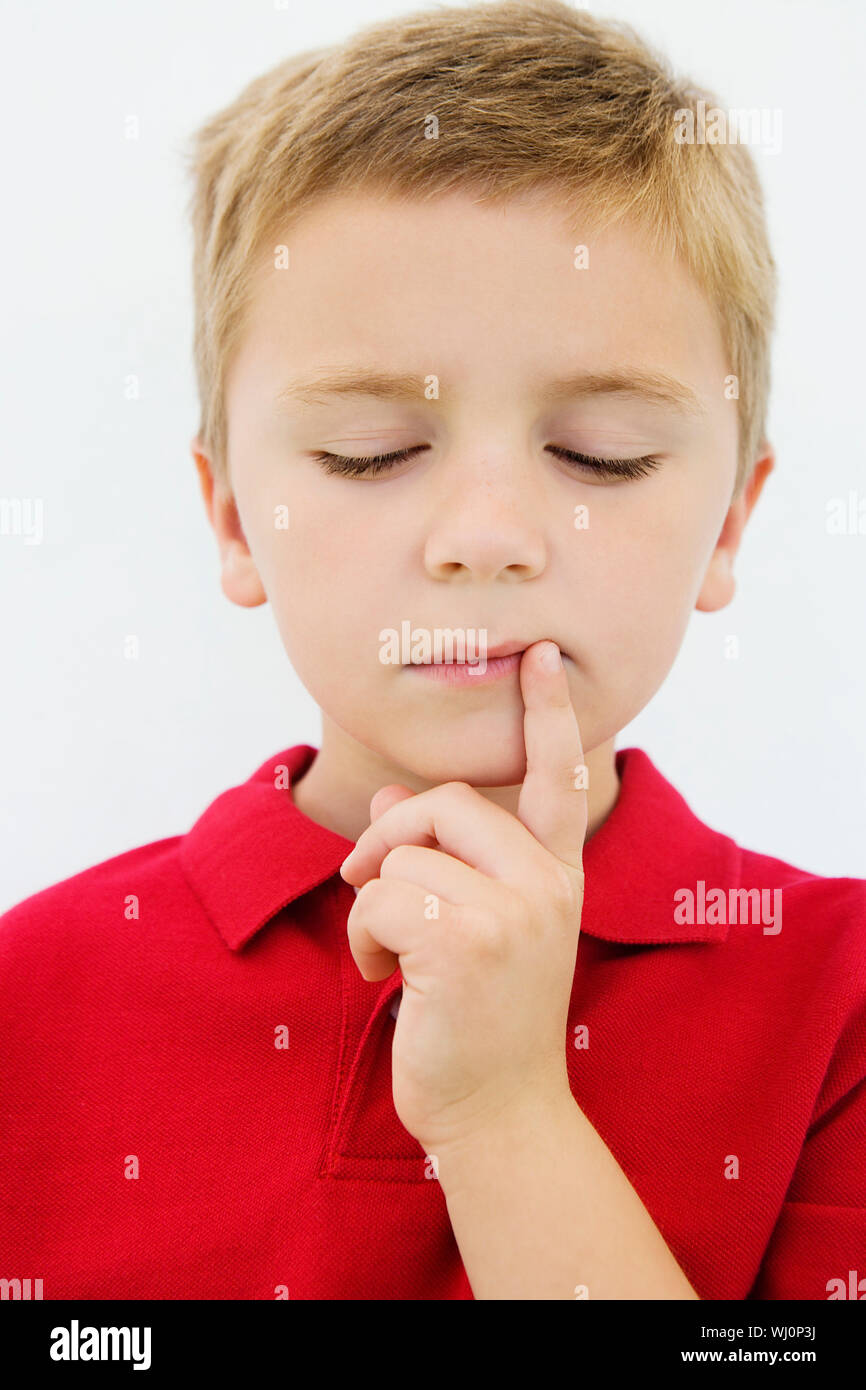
719 583
239 578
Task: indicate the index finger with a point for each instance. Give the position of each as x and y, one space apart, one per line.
461 821
551 806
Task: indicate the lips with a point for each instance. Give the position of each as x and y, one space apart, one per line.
507 649
500 649
503 649
466 673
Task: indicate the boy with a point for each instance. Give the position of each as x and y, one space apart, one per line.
483 353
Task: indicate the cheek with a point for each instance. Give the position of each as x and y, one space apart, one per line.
327 579
641 581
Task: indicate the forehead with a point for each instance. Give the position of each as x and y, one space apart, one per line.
465 281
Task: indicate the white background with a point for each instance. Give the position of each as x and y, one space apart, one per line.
99 753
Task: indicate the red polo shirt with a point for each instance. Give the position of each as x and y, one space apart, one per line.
195 1097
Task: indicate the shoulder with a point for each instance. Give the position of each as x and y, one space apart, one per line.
80 912
808 901
797 943
812 955
750 898
812 902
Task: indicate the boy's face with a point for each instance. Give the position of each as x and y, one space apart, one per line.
477 529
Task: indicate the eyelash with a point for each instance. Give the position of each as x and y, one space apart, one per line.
380 463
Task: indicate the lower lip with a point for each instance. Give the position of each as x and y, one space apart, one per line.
462 673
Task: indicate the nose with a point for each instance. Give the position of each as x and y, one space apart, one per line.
483 525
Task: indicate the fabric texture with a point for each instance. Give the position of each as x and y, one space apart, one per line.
195 1098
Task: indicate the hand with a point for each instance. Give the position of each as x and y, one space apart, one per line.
480 1033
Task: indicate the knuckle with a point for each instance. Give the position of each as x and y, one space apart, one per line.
397 860
363 898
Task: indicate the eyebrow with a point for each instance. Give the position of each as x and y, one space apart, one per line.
656 388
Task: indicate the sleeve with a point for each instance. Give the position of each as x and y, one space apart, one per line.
817 1249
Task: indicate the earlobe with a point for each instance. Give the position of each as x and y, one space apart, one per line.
720 584
239 578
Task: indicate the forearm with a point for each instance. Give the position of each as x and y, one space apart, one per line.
541 1209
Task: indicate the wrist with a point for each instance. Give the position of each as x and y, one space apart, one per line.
518 1130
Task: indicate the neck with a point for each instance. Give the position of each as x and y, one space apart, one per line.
337 788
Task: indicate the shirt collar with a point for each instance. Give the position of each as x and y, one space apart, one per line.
252 852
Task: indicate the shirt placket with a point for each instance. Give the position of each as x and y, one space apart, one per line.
366 1138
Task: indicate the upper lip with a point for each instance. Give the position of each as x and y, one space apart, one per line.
507 648
501 649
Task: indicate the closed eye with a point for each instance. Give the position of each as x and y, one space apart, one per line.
380 463
611 468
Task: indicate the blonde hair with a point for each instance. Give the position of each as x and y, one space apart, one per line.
527 94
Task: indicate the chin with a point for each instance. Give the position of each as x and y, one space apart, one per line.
497 761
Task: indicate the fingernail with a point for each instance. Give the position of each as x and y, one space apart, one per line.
551 657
